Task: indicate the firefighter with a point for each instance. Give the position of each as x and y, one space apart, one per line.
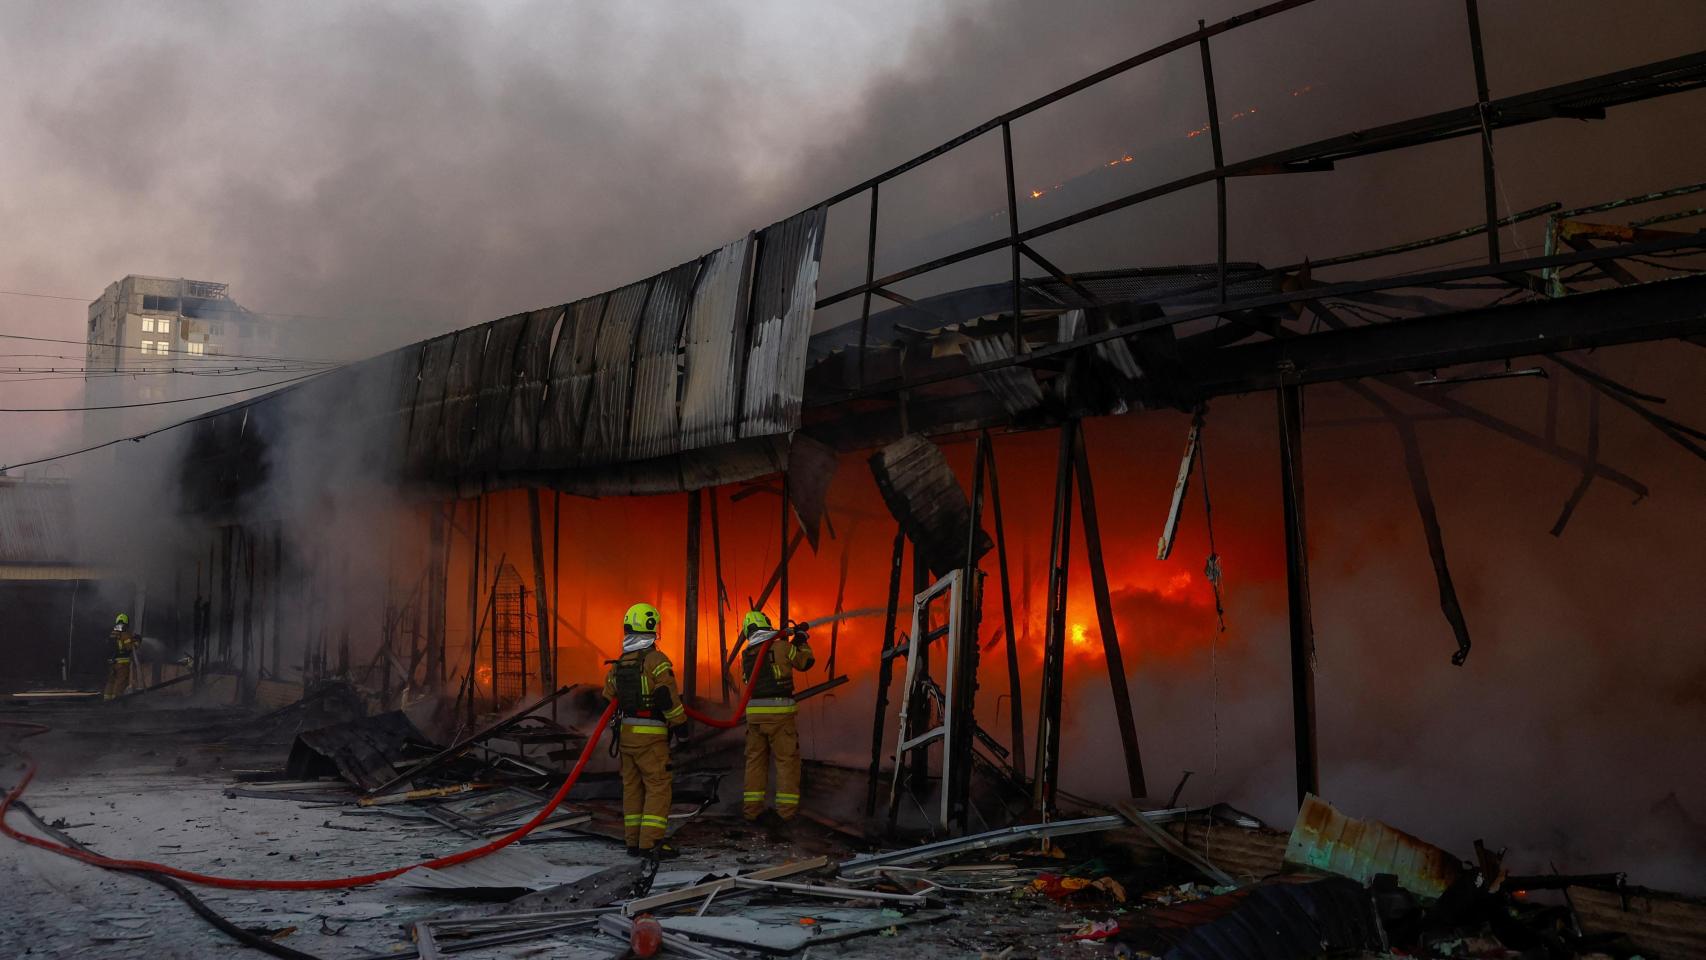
124 647
772 726
642 682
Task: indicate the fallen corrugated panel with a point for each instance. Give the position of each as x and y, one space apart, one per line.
715 339
527 394
461 389
611 393
1274 921
922 493
568 393
1326 841
497 380
784 289
1666 924
508 869
1246 852
363 751
787 934
425 420
654 423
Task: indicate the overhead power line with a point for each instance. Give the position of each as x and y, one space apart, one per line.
185 353
156 403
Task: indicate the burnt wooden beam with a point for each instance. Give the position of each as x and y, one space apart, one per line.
1015 691
885 672
541 603
1105 616
690 613
1300 621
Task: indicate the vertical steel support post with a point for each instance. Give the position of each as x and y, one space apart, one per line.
541 606
722 600
870 275
1489 182
473 608
885 672
1290 406
690 604
246 691
277 585
1045 786
918 770
1110 634
1015 692
962 668
522 617
787 554
1013 237
556 591
1219 161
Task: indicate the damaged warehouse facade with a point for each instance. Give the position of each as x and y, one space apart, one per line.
695 425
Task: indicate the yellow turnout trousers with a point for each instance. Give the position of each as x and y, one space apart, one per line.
646 781
118 680
772 730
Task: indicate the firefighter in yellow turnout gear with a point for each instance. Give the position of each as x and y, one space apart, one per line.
772 724
124 648
642 682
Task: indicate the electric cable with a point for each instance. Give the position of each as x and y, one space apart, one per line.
157 403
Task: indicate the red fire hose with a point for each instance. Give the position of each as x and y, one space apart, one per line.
334 883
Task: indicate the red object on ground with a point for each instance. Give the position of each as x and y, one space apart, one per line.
646 937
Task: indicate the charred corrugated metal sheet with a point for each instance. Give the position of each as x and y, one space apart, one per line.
921 492
461 392
1326 841
492 397
527 392
35 521
1663 924
567 394
784 289
363 751
1273 921
811 468
426 420
654 422
1015 387
715 341
603 433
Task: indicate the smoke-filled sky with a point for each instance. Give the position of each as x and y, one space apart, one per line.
376 173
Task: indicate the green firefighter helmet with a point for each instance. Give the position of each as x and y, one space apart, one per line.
122 618
641 618
755 621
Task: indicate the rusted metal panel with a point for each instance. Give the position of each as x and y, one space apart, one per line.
425 420
1326 841
527 392
492 396
714 342
611 393
567 394
784 288
654 424
461 388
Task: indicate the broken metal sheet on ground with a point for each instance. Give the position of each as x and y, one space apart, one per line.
1272 921
699 891
504 870
363 751
787 934
998 838
1326 841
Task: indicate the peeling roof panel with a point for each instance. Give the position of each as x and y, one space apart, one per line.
429 403
654 424
1016 387
492 393
527 393
602 435
461 393
714 341
567 394
784 289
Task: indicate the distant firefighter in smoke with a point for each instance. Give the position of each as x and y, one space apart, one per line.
124 648
642 682
772 716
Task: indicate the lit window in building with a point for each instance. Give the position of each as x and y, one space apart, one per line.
147 324
197 348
